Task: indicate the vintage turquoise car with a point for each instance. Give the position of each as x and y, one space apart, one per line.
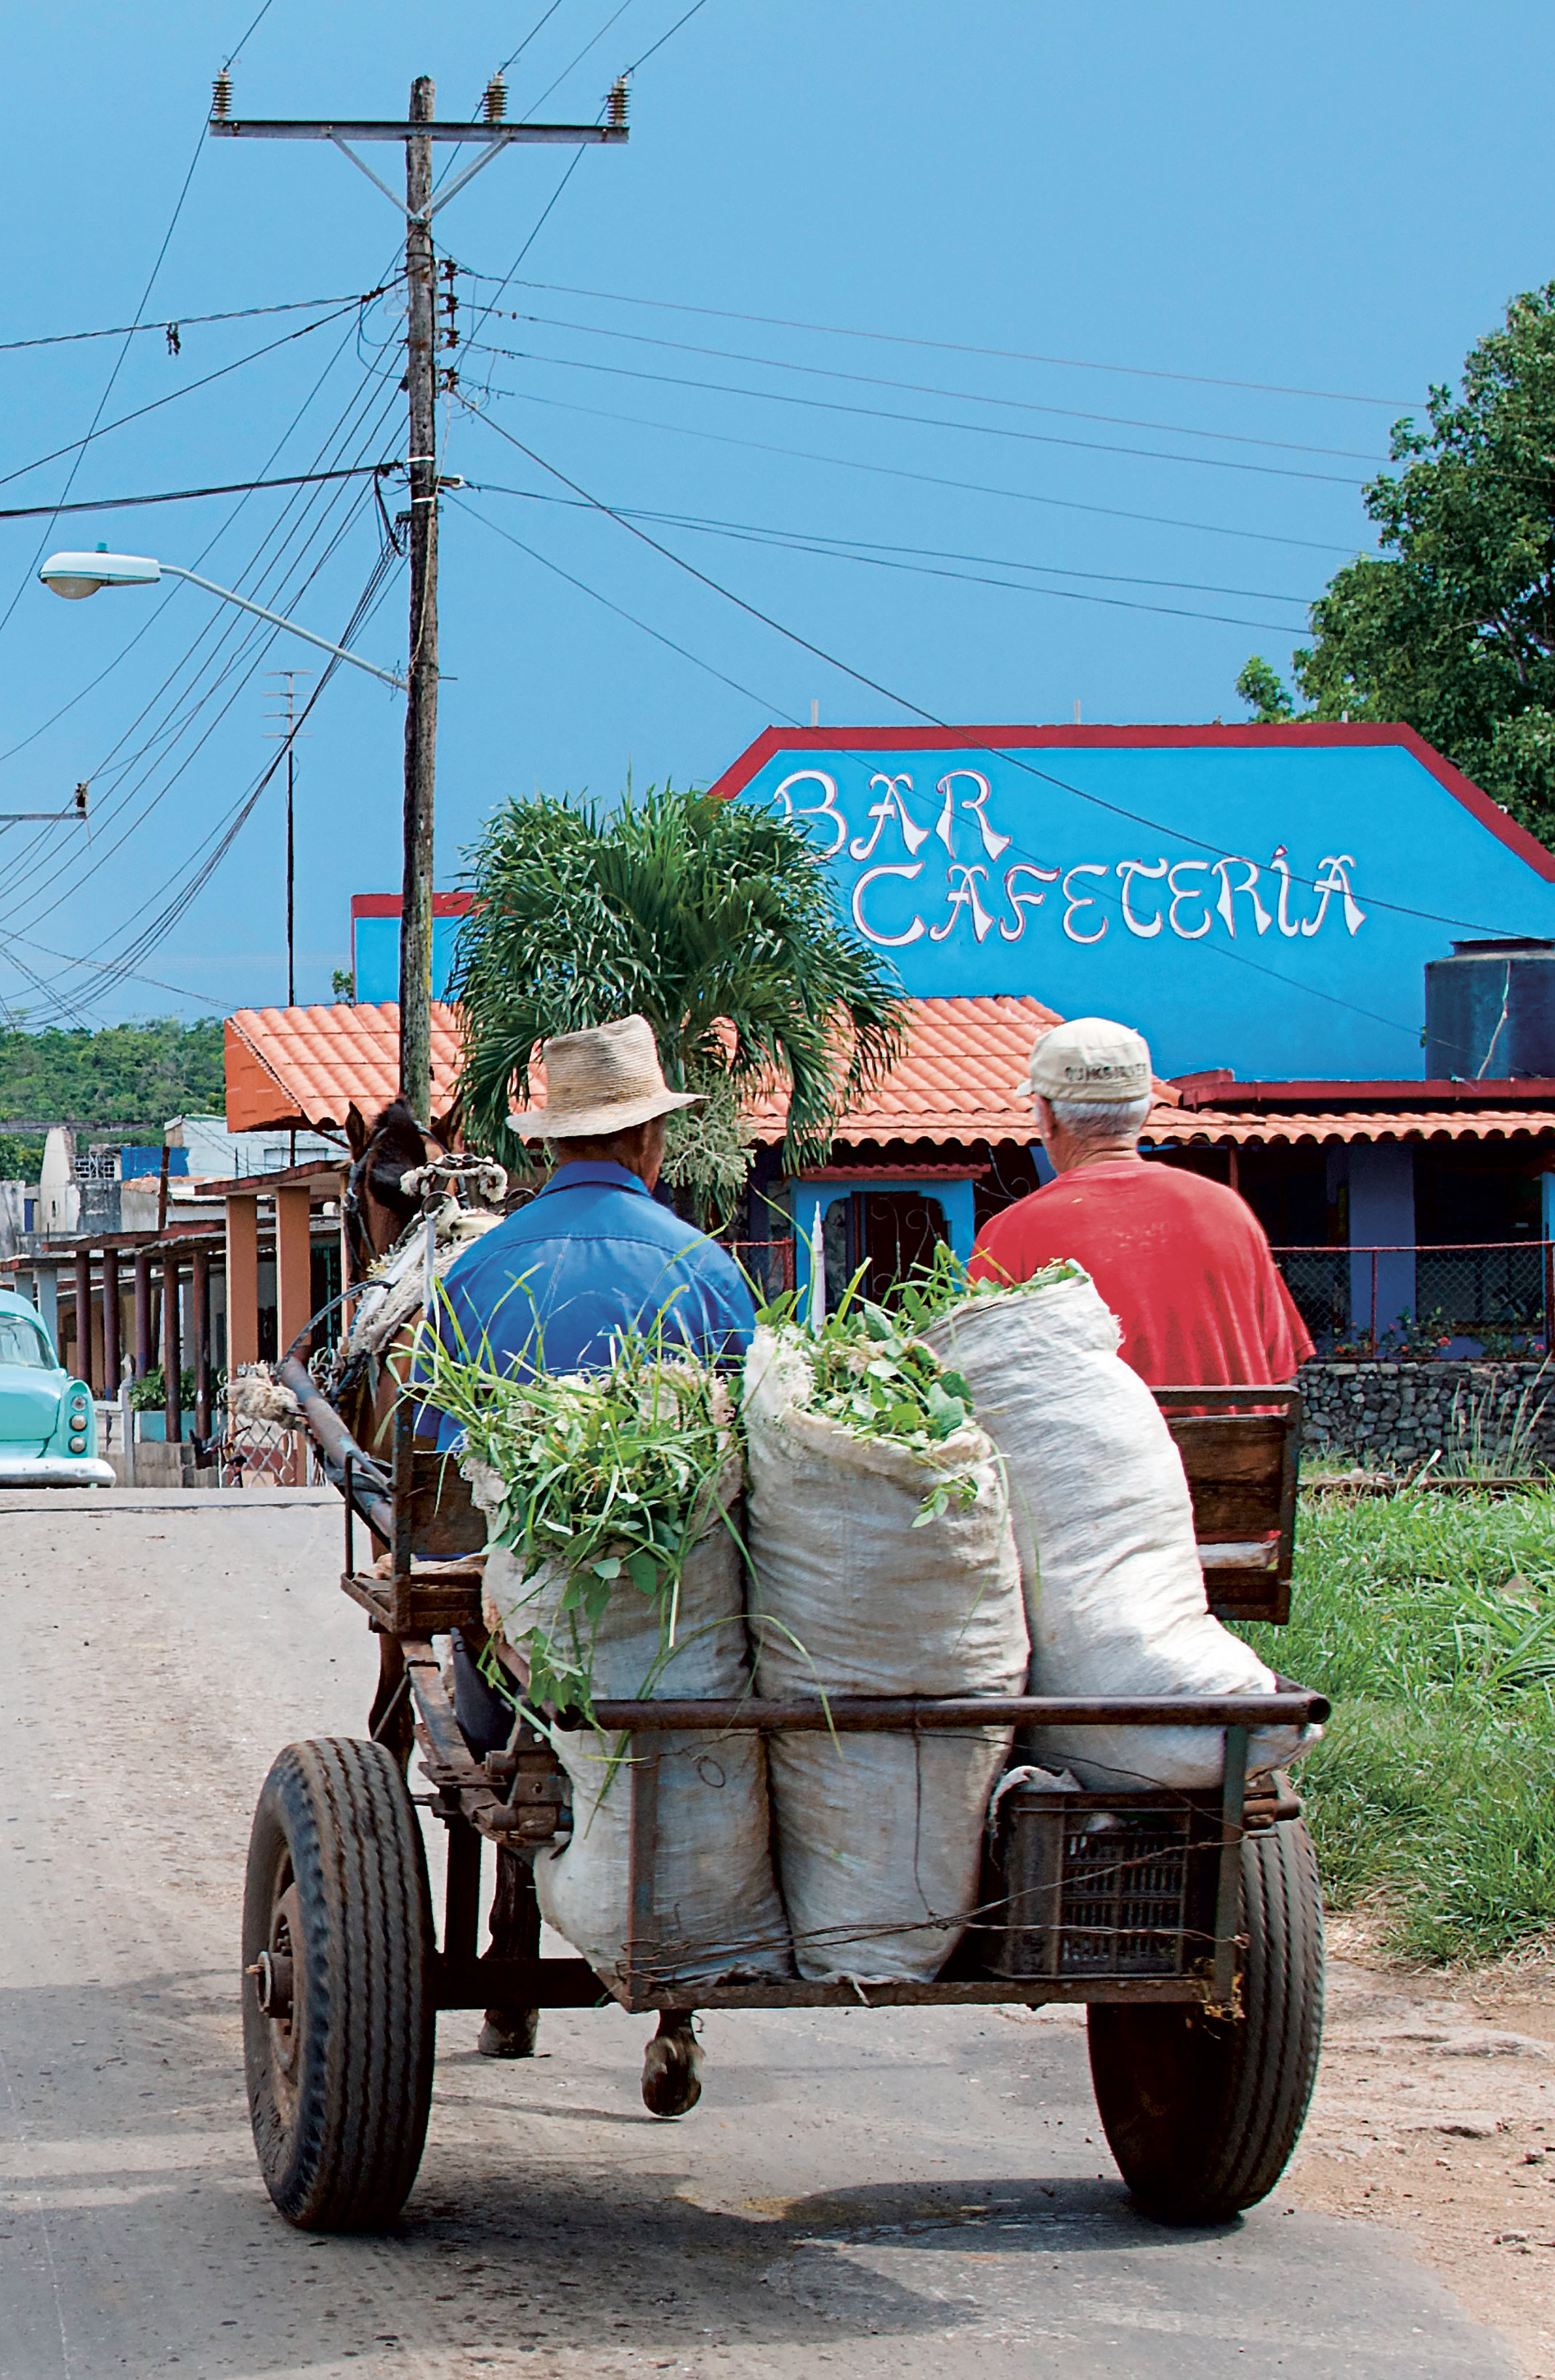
48 1431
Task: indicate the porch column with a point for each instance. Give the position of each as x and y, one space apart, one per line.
83 1316
200 1332
242 1280
293 1271
110 1323
46 1276
1382 1216
172 1350
142 1312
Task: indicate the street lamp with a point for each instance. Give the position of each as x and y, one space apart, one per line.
75 576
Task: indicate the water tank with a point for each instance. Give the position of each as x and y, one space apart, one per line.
1490 1012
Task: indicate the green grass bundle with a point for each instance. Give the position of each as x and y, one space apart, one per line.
872 1374
604 1481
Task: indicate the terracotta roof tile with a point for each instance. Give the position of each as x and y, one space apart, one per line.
963 1079
306 1065
963 1076
1178 1127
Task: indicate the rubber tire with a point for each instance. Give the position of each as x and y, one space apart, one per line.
1203 2112
339 2113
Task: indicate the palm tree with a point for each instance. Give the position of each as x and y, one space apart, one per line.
715 921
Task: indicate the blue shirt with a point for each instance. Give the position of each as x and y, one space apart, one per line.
593 1253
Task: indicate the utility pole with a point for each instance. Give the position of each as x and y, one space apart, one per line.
420 706
420 132
285 731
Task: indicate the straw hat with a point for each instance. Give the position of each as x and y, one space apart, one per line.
599 1082
1092 1060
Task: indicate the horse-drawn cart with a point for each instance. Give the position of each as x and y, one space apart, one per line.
1188 1924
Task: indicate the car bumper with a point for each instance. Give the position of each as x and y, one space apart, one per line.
55 1471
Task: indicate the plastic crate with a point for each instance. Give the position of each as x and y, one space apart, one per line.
1102 1884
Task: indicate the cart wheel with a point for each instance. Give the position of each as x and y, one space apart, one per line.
338 2021
1202 2112
671 2067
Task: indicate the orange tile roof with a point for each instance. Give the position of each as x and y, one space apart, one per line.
1178 1127
962 1078
306 1065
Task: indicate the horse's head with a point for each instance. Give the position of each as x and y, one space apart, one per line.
375 1207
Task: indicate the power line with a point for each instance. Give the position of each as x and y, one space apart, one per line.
823 540
922 420
224 834
78 445
592 42
231 58
963 347
513 58
659 44
932 718
221 629
899 471
155 613
923 388
188 495
189 322
838 551
762 701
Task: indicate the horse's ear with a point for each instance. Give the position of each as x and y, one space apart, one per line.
357 1133
446 1127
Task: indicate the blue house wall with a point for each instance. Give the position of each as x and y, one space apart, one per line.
1264 899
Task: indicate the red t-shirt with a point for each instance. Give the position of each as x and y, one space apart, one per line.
1181 1262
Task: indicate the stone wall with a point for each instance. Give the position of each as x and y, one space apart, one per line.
1389 1416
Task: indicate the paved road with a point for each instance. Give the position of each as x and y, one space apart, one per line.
891 2194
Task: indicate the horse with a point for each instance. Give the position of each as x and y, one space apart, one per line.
406 1217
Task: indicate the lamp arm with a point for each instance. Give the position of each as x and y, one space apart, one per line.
173 570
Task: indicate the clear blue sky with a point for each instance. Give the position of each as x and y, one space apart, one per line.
1221 195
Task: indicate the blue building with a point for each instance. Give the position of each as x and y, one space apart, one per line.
1263 904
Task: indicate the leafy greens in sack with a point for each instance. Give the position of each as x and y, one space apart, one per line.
615 1567
600 1482
883 1562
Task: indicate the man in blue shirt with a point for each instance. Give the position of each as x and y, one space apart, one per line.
594 1254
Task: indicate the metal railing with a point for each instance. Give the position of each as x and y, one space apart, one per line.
1412 1301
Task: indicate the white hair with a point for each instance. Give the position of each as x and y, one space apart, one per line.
1102 1119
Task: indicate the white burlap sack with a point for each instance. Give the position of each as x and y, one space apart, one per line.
1104 1524
879 1838
717 1916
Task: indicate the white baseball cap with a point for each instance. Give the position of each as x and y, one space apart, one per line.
1091 1060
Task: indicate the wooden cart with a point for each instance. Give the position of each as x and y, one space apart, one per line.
1189 1924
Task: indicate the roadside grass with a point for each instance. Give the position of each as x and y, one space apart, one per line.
1430 1622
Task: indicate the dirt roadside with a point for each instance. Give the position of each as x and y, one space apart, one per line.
1435 2112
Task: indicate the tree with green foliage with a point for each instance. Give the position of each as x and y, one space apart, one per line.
1451 628
712 919
136 1075
1262 690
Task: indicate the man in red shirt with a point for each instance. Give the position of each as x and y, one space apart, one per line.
1181 1260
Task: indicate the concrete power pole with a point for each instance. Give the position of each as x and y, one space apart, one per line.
420 132
421 710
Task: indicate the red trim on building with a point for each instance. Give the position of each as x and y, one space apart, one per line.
389 904
1297 735
1224 1092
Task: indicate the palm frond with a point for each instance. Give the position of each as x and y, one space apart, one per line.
712 919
